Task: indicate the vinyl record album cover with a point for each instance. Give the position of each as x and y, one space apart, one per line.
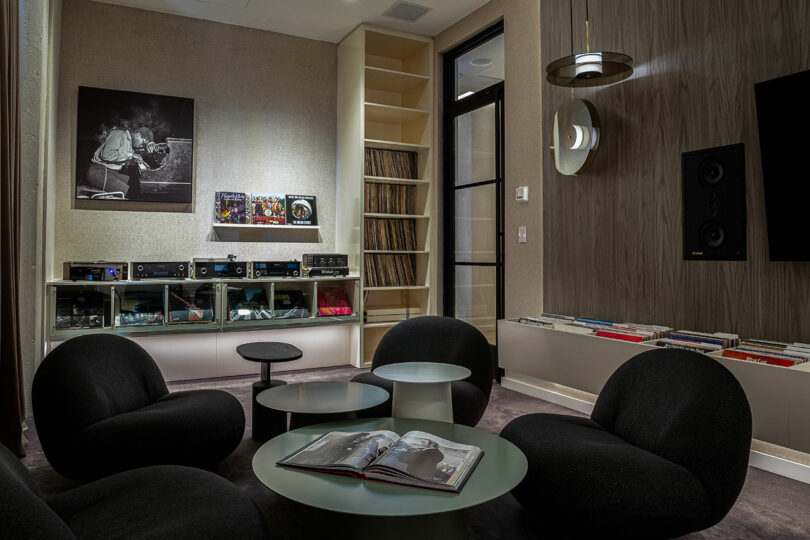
301 210
268 209
230 207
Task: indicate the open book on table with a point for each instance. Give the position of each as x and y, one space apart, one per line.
415 459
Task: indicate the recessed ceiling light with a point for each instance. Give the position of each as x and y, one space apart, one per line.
480 62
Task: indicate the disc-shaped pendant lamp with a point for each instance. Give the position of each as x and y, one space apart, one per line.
575 137
588 68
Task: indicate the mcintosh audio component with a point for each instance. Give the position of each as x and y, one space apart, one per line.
160 270
219 268
321 260
95 271
276 269
329 271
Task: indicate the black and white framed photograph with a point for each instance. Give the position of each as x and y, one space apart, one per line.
133 146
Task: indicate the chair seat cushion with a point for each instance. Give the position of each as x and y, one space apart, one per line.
197 428
469 402
580 474
162 502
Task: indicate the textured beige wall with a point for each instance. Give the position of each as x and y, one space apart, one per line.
34 25
265 107
524 153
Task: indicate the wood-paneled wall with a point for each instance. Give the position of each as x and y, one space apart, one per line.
612 236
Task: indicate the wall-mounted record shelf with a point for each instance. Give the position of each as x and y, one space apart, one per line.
238 232
251 226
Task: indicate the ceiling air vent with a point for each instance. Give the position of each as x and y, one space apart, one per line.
239 4
406 11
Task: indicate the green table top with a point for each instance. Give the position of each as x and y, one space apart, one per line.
322 397
502 467
422 372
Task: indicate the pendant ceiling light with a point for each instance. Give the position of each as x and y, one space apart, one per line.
588 68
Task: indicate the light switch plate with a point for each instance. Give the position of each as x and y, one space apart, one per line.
522 234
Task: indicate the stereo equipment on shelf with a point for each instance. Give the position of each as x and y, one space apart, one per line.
714 204
276 269
330 271
160 270
322 260
95 271
219 268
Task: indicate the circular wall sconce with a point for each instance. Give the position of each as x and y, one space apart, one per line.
575 137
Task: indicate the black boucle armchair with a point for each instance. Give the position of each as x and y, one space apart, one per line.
101 406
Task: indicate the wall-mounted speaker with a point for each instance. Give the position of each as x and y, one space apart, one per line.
714 204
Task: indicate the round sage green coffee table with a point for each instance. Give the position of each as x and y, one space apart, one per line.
422 389
316 402
368 509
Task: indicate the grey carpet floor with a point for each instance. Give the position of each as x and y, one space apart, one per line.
769 507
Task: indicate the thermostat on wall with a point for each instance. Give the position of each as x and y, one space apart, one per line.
522 193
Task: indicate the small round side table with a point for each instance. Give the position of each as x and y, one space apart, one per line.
422 389
315 402
267 423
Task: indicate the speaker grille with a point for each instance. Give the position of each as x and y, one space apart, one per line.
406 11
714 221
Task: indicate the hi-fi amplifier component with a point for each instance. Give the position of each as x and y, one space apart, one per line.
276 269
160 270
95 271
329 271
219 268
328 260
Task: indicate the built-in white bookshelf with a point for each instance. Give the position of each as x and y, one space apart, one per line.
385 102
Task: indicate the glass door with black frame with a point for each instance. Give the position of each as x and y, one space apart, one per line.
474 183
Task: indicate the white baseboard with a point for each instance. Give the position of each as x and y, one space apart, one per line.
780 466
547 395
760 460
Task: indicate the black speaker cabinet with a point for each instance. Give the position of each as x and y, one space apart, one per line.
714 204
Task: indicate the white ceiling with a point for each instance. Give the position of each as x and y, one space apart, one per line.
481 67
326 20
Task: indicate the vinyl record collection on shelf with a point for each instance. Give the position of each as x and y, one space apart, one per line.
389 270
390 234
264 209
771 352
390 163
389 198
393 234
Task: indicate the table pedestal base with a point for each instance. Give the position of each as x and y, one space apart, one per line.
444 525
267 423
298 420
424 401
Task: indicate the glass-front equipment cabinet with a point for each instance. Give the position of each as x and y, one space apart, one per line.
157 306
